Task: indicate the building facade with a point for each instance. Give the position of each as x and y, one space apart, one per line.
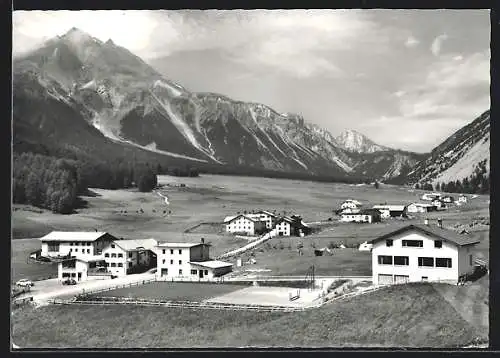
127 256
76 244
422 253
420 208
242 224
351 204
363 216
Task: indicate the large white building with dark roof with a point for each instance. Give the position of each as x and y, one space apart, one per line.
79 244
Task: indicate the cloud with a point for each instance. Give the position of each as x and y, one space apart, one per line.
437 43
411 42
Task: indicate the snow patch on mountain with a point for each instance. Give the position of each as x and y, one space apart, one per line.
356 142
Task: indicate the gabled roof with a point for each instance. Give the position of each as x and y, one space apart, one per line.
425 205
73 236
180 244
390 207
444 234
266 212
132 245
211 264
229 218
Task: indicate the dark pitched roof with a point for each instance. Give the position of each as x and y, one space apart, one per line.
369 212
444 234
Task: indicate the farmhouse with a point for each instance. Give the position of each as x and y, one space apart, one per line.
462 199
77 244
243 224
350 203
430 196
448 199
129 256
349 211
188 261
263 215
391 211
363 216
439 204
80 269
420 208
422 253
291 226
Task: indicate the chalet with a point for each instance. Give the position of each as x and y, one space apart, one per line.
81 269
349 211
350 203
363 216
129 256
462 199
188 261
448 199
392 210
243 224
76 244
439 204
291 226
422 253
263 215
420 208
430 196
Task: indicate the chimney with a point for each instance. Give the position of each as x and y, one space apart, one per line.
440 223
202 240
426 222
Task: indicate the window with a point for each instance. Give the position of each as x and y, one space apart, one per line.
70 250
206 272
163 261
426 261
470 260
76 250
180 271
129 264
107 264
443 262
106 255
171 262
384 260
401 260
53 247
425 278
193 272
171 252
88 251
89 244
70 244
388 242
120 255
112 246
180 252
130 255
438 244
413 243
180 262
113 264
120 264
163 251
113 255
65 274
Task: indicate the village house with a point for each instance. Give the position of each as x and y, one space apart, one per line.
129 256
78 244
365 246
263 215
351 204
462 199
188 261
422 253
291 226
363 216
349 211
243 224
420 208
430 196
439 204
448 199
391 211
81 269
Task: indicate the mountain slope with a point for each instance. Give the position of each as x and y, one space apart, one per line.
458 156
356 142
89 91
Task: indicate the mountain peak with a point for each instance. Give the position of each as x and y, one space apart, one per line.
355 141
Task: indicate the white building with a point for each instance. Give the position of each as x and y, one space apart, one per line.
422 253
363 216
263 215
430 196
462 199
349 211
420 208
80 269
126 256
388 211
188 261
85 245
243 224
350 203
365 246
291 226
439 204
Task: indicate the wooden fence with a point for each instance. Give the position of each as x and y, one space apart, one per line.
125 285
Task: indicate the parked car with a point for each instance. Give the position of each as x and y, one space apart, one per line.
24 283
69 281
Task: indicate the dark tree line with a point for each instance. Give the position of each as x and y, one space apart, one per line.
477 183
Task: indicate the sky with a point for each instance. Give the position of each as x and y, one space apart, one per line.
407 79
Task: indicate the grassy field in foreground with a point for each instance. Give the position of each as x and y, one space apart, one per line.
176 291
410 315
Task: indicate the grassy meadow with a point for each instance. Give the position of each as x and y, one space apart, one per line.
414 315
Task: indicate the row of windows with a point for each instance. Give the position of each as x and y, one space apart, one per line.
76 250
193 272
171 252
414 243
172 262
78 243
115 255
422 261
